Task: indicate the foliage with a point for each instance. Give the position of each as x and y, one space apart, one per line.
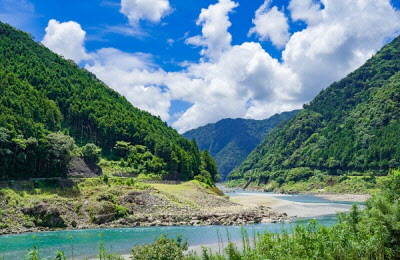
162 249
91 152
230 141
351 126
121 211
42 94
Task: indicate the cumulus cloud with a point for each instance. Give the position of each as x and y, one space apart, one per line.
308 11
66 39
215 23
150 10
341 35
134 76
270 23
245 82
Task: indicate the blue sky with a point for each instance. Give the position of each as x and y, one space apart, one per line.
197 63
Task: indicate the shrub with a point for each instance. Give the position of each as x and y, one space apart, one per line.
121 211
162 249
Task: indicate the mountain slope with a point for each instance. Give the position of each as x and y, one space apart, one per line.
351 126
44 93
230 141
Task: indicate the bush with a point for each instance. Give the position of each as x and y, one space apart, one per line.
120 211
162 249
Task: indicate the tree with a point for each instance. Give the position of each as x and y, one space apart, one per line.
91 152
60 147
209 165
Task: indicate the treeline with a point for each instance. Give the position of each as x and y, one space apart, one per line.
42 93
351 126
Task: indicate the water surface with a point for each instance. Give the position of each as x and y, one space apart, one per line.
85 243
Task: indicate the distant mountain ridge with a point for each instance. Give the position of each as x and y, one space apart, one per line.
352 126
230 141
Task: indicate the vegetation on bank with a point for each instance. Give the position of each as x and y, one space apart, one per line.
101 201
230 141
352 126
49 106
372 233
304 180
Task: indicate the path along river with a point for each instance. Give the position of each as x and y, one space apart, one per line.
85 243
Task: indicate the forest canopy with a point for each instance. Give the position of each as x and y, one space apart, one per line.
49 102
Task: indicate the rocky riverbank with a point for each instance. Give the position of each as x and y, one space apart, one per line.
93 204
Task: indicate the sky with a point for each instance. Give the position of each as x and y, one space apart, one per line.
196 62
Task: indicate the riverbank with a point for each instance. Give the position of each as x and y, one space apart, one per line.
95 203
299 209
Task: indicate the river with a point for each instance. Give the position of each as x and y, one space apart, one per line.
84 243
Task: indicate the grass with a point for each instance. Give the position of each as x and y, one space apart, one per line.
191 193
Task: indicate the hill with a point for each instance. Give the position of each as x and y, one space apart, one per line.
49 106
230 141
349 128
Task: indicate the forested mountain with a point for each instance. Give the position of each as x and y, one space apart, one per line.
352 126
230 141
48 103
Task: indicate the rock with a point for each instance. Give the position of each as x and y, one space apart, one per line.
102 219
45 215
195 222
257 219
79 168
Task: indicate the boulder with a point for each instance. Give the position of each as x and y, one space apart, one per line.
45 215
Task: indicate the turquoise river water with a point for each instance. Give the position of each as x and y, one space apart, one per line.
85 243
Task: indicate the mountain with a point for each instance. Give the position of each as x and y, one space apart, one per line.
352 126
48 104
229 141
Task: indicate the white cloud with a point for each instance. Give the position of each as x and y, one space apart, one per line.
151 10
223 88
66 39
346 35
271 24
306 10
134 76
215 22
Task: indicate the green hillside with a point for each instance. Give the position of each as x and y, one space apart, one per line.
352 126
46 100
230 141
